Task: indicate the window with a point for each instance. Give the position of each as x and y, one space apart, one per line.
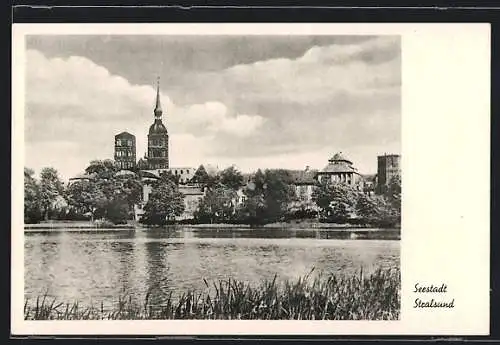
118 142
130 143
182 172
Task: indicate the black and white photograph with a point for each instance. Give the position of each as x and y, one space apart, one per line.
195 177
214 176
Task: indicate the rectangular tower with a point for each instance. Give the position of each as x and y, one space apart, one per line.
388 167
125 150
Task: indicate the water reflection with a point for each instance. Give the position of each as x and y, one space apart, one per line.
95 266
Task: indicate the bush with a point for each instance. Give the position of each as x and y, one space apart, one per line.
118 212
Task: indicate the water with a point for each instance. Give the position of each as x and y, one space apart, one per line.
98 266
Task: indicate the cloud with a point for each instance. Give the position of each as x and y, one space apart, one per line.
321 73
213 118
75 101
338 97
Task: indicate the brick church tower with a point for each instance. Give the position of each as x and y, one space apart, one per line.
125 150
157 156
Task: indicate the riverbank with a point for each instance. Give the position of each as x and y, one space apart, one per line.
82 225
336 297
287 225
63 225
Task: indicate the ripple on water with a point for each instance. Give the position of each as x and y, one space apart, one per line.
101 266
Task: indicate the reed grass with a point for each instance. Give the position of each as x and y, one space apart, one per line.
356 297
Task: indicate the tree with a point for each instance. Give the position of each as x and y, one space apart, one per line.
393 193
105 192
164 204
218 205
370 208
86 197
336 200
254 207
128 188
201 176
118 211
231 178
32 205
50 188
267 197
104 169
278 193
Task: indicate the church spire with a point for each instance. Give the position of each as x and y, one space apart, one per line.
158 111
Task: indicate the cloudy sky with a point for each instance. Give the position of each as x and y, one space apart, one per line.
252 101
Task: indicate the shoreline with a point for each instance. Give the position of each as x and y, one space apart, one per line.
79 225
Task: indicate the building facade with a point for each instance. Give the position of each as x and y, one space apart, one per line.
192 196
340 169
157 155
184 174
125 150
388 166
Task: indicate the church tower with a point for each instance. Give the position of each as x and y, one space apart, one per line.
157 157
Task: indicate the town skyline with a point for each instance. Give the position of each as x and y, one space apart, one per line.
248 127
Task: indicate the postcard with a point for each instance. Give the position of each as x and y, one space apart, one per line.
210 179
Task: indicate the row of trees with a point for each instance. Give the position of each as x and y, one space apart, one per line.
41 196
268 196
106 195
342 203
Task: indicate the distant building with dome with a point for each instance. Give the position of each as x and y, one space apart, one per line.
340 169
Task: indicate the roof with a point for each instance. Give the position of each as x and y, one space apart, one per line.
340 158
149 174
125 173
83 176
158 111
334 168
390 155
125 134
300 176
157 127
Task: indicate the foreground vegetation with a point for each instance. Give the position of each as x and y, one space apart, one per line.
356 297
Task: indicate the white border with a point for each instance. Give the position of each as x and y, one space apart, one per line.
446 175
